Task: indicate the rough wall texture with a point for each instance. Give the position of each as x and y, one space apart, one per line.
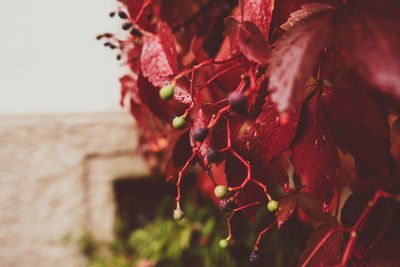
56 174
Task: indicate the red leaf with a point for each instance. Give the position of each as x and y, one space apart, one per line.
330 252
259 12
247 39
159 56
315 156
273 137
128 85
206 185
369 36
294 57
356 119
304 12
287 204
283 8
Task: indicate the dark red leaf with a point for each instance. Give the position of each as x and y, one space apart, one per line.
287 205
368 36
159 56
294 57
259 12
277 170
315 156
356 119
312 208
330 252
149 124
134 7
178 152
381 225
385 254
150 97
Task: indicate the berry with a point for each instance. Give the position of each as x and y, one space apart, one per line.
237 100
221 191
126 26
111 14
227 205
213 155
199 134
179 122
273 205
136 32
178 214
167 92
254 256
223 243
118 57
122 14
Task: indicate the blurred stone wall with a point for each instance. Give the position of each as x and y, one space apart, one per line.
56 174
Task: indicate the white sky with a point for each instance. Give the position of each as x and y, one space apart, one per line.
50 60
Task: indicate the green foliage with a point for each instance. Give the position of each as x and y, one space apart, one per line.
194 241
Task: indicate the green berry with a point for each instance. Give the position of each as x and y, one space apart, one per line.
223 243
178 214
220 191
273 205
167 92
179 122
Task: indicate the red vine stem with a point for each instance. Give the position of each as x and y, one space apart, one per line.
145 4
244 162
262 233
178 183
218 75
319 245
353 231
233 213
204 63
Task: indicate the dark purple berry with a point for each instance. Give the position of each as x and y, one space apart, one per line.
227 204
237 100
118 57
136 32
255 256
126 26
122 14
199 134
111 14
213 155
